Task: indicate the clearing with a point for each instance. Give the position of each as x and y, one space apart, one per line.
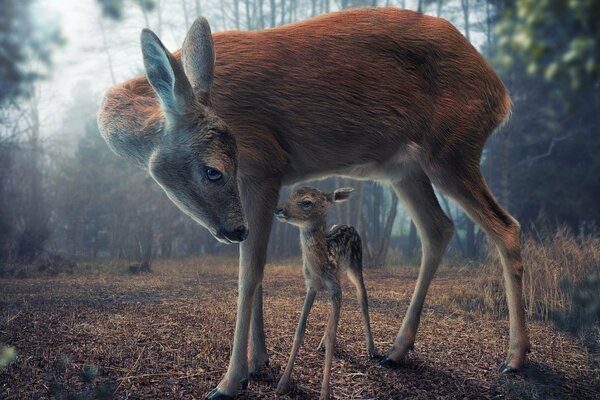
168 334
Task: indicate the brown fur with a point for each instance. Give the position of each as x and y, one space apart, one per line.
381 94
368 82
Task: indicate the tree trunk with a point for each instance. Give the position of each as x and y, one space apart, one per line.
186 16
35 233
412 240
261 14
470 238
145 245
465 9
380 257
248 18
273 13
236 13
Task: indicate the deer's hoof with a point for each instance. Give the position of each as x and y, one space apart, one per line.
216 395
385 361
507 369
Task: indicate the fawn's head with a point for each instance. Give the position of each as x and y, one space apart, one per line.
195 157
308 206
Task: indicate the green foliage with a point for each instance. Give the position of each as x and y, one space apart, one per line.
88 373
26 46
585 310
7 356
548 55
558 40
92 387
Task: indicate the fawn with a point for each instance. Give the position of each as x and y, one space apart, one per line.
325 256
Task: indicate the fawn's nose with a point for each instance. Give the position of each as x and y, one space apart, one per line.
279 212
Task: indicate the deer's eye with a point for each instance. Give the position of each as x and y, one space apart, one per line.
213 175
306 204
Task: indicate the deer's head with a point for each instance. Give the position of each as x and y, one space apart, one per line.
187 149
308 206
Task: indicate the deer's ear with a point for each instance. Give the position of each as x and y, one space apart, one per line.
342 194
198 57
165 74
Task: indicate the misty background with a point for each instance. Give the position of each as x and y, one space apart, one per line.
64 196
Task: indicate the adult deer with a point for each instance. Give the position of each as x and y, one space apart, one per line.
382 94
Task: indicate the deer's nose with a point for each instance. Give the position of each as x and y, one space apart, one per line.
239 234
279 212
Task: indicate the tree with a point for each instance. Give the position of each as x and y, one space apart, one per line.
558 40
26 46
551 68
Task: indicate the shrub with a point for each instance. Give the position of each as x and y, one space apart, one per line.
561 279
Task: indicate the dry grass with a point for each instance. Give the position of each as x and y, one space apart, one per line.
168 335
555 264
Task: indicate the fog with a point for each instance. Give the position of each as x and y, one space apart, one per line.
541 166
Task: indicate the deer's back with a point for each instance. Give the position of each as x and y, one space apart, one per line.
361 93
352 88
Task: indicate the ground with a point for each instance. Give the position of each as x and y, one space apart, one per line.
168 334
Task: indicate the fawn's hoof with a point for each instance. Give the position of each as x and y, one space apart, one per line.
216 395
372 353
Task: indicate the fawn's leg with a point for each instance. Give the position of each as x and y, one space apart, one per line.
283 385
356 277
435 231
259 199
471 192
332 324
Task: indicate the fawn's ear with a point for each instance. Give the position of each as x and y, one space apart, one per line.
342 194
165 74
198 58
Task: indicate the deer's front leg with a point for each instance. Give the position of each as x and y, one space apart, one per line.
257 348
259 199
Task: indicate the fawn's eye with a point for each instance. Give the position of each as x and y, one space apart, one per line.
306 204
213 175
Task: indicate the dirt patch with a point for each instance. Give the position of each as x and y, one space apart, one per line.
168 335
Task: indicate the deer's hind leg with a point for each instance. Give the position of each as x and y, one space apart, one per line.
356 277
468 187
435 231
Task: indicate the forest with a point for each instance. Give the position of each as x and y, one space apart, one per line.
70 206
62 190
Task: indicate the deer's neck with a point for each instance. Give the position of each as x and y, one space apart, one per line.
314 247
